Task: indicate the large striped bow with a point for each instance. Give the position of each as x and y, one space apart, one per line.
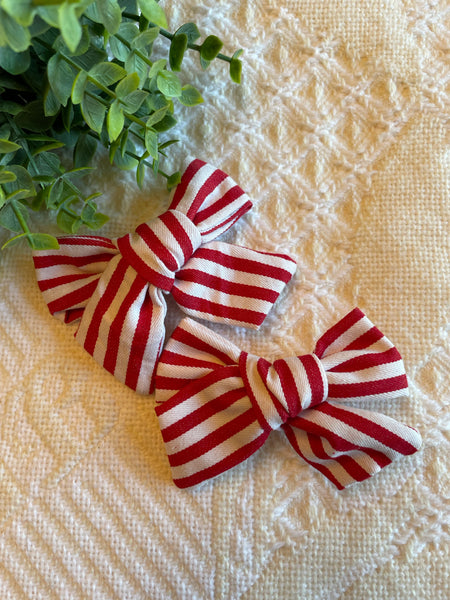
217 405
117 287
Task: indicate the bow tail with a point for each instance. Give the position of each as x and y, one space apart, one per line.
209 427
349 444
67 277
123 325
230 284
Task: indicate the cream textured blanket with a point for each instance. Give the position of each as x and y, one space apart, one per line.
340 135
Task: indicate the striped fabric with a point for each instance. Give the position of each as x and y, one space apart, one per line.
217 405
117 289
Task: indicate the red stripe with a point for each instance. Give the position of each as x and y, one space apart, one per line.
73 298
139 344
42 262
289 387
103 304
245 265
288 430
314 379
185 337
366 340
214 180
347 462
337 330
156 246
201 414
228 198
196 386
228 287
73 315
186 178
170 383
173 358
149 274
367 388
381 459
179 233
257 410
227 223
116 326
378 432
242 315
213 439
48 284
225 464
366 361
263 367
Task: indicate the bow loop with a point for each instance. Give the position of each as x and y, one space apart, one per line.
217 405
159 248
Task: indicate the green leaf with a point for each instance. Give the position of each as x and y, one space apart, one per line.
69 25
140 174
107 73
21 10
190 96
177 50
17 37
115 121
191 30
14 240
145 38
165 124
10 107
236 67
7 146
157 67
136 64
43 241
110 13
47 147
204 63
157 116
14 62
127 85
129 32
67 221
173 180
151 142
168 84
55 197
84 150
61 76
7 176
210 47
134 100
79 87
153 12
97 221
92 57
93 112
51 103
33 117
8 216
23 183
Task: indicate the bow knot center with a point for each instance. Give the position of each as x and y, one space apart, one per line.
159 248
280 391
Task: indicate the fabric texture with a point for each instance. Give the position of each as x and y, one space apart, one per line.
217 405
339 134
117 288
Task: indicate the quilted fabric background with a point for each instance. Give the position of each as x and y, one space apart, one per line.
340 135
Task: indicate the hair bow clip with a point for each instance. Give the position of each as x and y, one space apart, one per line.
116 288
216 405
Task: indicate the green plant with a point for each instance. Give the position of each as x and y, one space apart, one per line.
80 73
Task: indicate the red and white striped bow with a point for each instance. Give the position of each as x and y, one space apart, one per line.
217 405
117 287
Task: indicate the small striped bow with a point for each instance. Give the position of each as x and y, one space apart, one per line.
217 405
117 288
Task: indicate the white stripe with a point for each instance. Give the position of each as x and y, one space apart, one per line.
261 392
392 395
364 460
194 187
301 381
203 292
376 373
215 319
353 333
60 291
334 360
218 453
210 337
205 428
253 255
186 407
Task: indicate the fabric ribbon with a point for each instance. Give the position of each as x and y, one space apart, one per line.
217 405
117 288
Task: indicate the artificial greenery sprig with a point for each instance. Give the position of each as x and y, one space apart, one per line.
76 74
